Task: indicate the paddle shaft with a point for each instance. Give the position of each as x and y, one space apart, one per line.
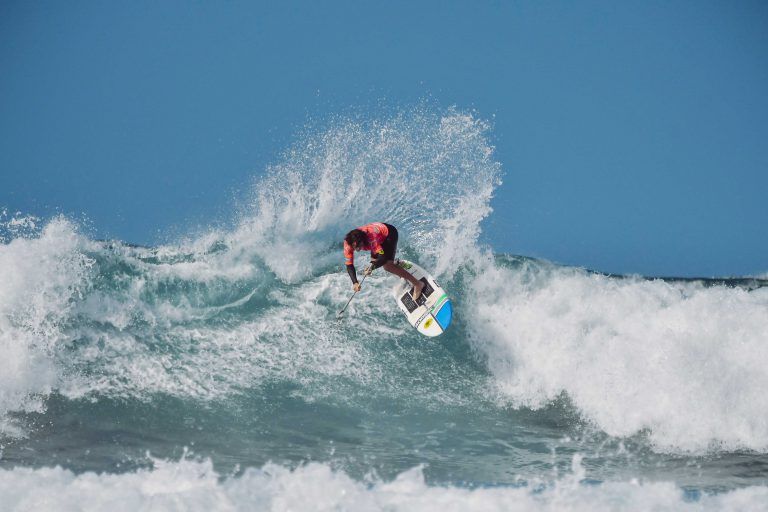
353 295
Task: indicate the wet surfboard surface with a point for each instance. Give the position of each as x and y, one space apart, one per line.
431 313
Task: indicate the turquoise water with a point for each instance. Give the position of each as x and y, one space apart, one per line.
212 373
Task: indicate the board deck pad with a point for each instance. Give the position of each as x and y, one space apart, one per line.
407 298
431 314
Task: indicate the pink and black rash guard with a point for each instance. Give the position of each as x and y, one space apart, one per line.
376 233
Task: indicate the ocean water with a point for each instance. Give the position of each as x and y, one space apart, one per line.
211 373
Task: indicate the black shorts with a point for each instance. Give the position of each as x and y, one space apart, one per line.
390 243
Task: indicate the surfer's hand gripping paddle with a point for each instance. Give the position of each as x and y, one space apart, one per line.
366 273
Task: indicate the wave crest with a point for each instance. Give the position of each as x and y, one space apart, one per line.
680 361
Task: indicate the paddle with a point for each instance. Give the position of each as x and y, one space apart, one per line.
366 274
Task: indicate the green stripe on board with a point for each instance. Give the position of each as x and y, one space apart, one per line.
439 303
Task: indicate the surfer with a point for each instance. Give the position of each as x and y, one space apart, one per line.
381 240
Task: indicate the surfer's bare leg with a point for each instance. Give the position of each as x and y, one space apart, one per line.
401 272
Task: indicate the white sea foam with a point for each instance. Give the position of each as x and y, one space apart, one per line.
195 485
41 277
297 339
681 361
289 340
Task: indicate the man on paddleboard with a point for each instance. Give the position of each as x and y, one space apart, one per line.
381 240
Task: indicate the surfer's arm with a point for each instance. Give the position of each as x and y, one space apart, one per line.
378 258
349 260
352 273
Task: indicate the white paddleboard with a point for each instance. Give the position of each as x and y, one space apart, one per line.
431 314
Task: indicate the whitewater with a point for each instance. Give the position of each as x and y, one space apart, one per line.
210 373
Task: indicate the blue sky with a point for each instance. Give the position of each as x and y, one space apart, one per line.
633 136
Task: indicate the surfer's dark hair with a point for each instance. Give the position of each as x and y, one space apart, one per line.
356 237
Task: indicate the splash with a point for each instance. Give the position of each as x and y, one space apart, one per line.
431 175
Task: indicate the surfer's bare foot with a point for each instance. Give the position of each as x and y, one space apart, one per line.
417 290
